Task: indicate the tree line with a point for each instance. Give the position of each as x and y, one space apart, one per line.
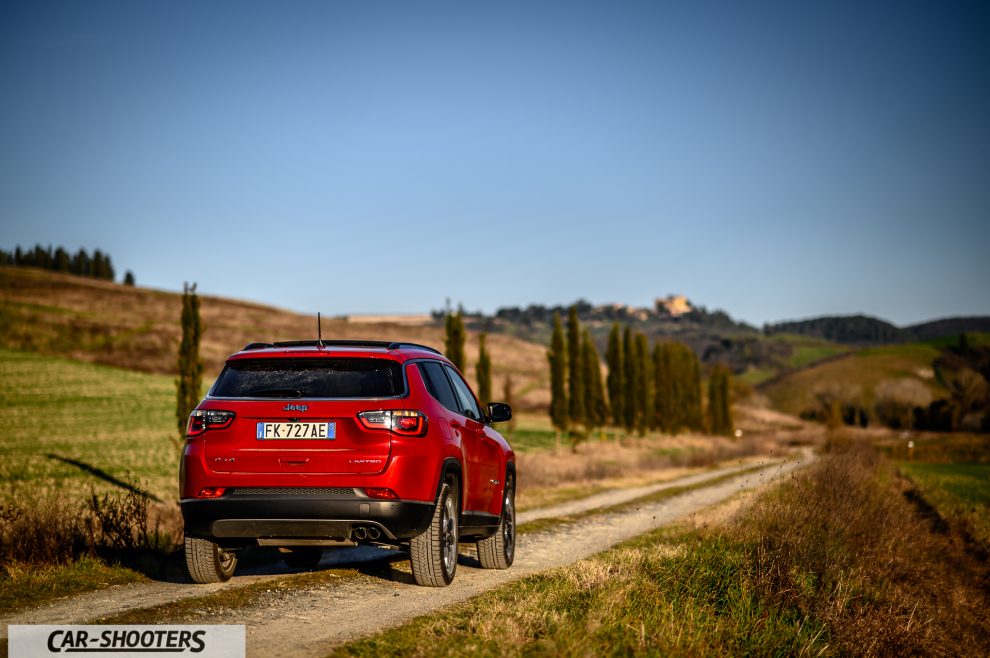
656 389
454 340
81 263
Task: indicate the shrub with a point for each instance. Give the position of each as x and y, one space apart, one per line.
116 527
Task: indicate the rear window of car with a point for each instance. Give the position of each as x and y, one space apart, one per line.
310 378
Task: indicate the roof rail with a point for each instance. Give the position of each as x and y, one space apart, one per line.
384 344
395 346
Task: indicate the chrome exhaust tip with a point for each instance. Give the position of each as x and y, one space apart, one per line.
359 533
374 533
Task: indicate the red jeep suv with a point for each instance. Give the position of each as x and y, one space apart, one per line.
309 444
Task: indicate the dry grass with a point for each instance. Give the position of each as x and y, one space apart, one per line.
52 547
835 562
843 545
38 531
596 464
138 329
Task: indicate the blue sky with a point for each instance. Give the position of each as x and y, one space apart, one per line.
777 160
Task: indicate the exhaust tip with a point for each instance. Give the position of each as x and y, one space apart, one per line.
359 533
374 533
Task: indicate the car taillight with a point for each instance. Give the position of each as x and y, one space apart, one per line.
399 421
202 420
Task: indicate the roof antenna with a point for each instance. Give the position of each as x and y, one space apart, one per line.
319 330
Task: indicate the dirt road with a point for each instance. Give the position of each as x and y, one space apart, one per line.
308 621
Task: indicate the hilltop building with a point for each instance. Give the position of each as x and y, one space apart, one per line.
673 305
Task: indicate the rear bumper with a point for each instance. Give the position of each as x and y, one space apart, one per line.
244 519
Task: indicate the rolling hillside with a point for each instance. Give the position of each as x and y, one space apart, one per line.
137 328
859 372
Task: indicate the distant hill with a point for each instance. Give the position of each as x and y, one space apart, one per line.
859 374
948 327
138 329
865 330
845 329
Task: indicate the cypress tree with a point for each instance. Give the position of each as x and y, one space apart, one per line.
616 381
595 407
454 341
129 278
61 260
81 264
558 376
108 268
678 387
663 389
692 402
190 381
575 373
719 413
630 385
685 389
99 265
484 371
643 386
509 397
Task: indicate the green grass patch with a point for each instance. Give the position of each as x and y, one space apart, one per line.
72 427
530 439
960 492
29 586
975 339
807 354
754 376
524 439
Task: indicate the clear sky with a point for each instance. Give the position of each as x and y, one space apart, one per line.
777 160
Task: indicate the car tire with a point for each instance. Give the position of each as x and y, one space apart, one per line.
433 554
207 562
498 551
303 558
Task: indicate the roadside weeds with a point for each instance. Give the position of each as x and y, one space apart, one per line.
835 561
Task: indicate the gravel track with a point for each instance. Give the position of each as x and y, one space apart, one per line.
304 622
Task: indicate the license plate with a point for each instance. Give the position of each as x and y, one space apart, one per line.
293 431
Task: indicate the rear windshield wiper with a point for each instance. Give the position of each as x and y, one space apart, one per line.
277 393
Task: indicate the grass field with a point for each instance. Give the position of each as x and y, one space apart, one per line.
805 351
976 338
960 493
808 350
861 371
72 427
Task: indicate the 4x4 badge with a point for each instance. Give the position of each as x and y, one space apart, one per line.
295 407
